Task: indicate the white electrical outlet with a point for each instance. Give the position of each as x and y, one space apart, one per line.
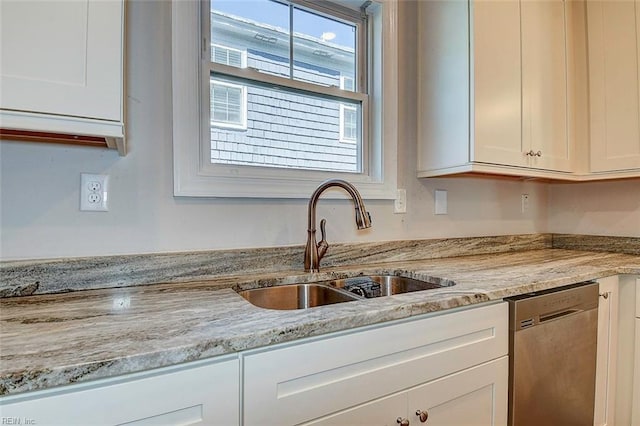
94 192
400 205
525 203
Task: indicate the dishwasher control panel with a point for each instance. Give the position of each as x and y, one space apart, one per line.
530 309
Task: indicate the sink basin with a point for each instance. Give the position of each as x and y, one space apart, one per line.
303 296
296 296
386 285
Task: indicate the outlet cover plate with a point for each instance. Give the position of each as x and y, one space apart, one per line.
94 192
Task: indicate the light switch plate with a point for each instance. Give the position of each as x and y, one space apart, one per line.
440 201
400 205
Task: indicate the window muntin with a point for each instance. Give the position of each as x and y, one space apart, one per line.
298 118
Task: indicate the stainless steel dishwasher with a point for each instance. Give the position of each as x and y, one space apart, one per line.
552 356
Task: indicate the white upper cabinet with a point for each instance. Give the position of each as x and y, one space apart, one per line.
614 88
493 88
62 67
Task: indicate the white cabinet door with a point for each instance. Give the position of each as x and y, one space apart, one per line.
635 401
477 396
604 411
497 82
614 84
205 394
544 84
63 57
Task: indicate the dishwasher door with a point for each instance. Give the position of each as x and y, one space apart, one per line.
552 362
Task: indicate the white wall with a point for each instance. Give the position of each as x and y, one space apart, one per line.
39 187
596 208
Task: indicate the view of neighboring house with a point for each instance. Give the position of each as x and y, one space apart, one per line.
254 125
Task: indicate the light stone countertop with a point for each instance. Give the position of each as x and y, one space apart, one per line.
56 339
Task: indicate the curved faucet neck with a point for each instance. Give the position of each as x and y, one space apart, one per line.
312 256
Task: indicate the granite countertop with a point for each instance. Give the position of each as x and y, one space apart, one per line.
56 339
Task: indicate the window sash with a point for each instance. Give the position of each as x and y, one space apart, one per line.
323 8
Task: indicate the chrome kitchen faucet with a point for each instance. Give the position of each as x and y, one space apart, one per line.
315 251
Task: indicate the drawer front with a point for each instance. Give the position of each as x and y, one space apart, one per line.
300 382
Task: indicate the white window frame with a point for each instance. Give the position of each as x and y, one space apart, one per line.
196 176
243 107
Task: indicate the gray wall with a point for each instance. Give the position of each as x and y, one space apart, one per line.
39 187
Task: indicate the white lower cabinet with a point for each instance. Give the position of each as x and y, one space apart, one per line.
200 393
452 365
635 404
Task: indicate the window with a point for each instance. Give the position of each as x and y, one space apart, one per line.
294 54
348 114
348 124
228 105
293 96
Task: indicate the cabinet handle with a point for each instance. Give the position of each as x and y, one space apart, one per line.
604 295
538 154
402 422
533 154
423 415
530 153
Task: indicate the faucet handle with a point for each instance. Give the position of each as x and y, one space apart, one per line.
322 245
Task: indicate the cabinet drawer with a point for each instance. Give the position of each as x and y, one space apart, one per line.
300 382
205 393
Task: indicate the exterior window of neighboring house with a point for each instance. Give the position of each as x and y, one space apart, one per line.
228 105
348 114
277 97
228 101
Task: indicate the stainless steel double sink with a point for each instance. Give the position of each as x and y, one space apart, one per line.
309 295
